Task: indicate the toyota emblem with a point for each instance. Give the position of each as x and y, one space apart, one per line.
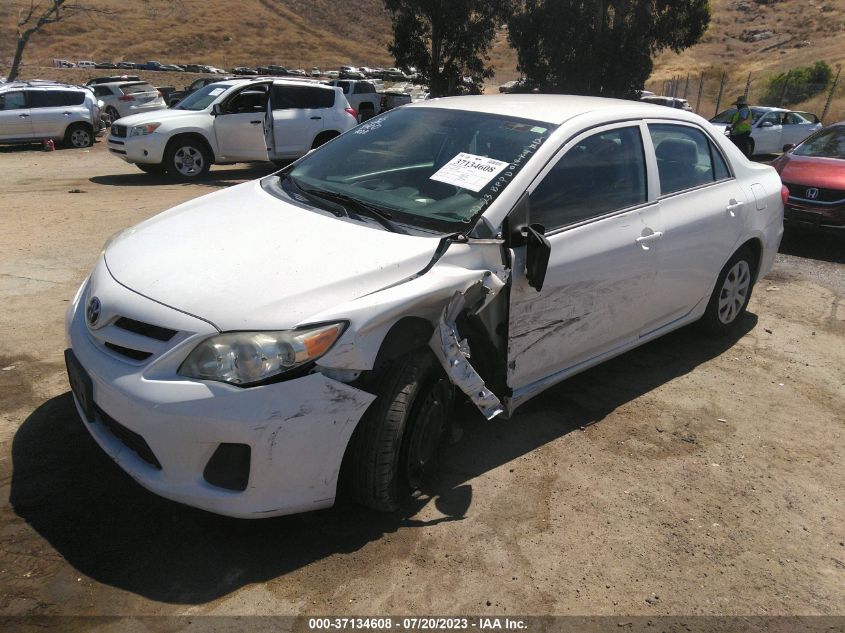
812 193
92 313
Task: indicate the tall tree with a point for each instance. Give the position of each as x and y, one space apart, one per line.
601 47
446 39
39 15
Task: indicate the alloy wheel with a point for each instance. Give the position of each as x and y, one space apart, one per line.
734 291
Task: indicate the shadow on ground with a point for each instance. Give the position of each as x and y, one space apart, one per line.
217 177
117 533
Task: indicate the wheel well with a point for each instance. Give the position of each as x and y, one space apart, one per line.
366 106
76 124
324 137
756 247
407 334
195 137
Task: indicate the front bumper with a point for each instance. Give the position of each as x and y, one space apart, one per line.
820 218
139 149
163 429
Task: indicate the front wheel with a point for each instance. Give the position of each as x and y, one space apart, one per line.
79 135
396 447
186 159
151 168
732 292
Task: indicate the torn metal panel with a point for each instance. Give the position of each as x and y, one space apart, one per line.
454 353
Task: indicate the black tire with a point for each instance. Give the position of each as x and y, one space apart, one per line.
78 136
395 449
155 169
366 112
112 114
186 158
323 137
732 293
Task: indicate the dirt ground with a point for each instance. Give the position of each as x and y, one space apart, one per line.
691 476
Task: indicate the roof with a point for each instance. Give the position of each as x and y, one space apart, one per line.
553 109
42 83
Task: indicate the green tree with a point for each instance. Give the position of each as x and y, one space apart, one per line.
797 85
446 40
600 47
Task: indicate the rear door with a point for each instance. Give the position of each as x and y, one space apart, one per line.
604 229
796 128
703 213
240 128
15 119
299 115
53 110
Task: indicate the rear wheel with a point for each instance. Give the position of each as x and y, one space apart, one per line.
732 292
112 114
396 447
79 135
186 159
323 137
366 111
156 169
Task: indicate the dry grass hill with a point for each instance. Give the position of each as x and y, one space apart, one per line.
757 36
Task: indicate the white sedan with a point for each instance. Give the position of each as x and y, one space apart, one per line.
235 351
772 128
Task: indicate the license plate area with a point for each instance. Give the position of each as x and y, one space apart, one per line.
80 384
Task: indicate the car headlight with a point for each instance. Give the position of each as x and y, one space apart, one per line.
247 358
143 130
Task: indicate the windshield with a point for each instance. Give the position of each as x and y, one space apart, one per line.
829 143
429 168
725 117
203 97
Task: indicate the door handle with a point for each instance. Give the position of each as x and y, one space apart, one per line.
23 116
316 118
644 240
255 122
733 205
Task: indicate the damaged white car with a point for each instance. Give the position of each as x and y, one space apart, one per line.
243 351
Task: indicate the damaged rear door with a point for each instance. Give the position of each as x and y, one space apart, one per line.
604 231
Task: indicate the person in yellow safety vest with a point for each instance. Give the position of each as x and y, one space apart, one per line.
740 130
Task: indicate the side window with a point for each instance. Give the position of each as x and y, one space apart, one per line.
684 157
72 97
250 100
12 101
102 91
771 117
600 174
293 97
720 168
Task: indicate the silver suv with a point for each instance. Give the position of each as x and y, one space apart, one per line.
32 111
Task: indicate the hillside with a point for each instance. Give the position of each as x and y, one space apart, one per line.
758 36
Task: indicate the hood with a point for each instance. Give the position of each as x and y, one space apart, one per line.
825 173
243 259
158 116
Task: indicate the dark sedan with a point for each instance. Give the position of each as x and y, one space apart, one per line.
814 173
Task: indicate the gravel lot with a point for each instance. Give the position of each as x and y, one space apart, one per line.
691 476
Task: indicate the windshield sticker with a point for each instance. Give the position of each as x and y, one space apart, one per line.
469 171
538 130
369 126
216 92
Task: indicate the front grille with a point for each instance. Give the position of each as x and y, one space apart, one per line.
134 354
119 131
145 329
824 195
129 438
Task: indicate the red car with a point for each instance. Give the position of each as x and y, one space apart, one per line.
814 173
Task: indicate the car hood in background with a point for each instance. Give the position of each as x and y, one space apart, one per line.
825 173
243 259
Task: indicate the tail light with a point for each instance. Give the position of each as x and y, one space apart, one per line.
352 112
126 98
784 193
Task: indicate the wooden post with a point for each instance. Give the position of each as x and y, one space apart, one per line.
700 91
686 87
747 86
830 94
721 90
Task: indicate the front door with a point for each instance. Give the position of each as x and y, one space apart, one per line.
15 116
604 230
768 135
240 127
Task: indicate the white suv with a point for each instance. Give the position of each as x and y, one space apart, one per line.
32 111
228 122
125 98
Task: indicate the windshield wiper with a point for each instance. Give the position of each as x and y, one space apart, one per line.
379 214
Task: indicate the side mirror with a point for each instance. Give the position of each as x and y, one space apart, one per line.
537 254
767 124
217 109
788 147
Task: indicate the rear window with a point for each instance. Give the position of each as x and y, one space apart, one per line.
55 98
131 89
293 97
